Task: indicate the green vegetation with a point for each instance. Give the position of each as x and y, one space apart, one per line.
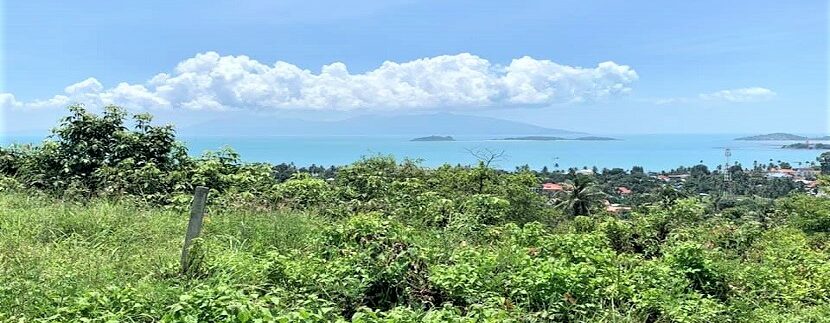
549 138
434 138
802 145
595 138
534 138
92 221
774 136
782 137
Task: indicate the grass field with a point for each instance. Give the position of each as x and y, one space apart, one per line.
119 261
52 252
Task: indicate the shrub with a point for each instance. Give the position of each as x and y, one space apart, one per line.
302 190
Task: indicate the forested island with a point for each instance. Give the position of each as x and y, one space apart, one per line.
434 138
92 223
534 138
780 136
802 145
595 138
550 138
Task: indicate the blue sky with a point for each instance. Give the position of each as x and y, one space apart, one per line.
678 67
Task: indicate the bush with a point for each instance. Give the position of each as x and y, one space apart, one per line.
302 190
810 214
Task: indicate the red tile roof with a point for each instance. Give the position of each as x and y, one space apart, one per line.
552 187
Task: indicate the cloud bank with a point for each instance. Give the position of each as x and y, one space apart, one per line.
211 81
749 94
741 95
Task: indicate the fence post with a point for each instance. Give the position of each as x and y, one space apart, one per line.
197 212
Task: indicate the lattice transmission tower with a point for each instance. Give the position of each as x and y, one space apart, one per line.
727 176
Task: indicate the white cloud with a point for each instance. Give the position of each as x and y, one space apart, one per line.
8 100
741 95
211 81
90 85
749 94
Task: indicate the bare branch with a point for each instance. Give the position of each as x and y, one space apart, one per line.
487 155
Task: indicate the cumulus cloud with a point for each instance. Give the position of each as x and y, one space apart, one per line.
749 94
211 81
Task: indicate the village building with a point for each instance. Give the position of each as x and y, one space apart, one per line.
552 187
807 172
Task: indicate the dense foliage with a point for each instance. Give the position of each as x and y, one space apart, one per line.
91 225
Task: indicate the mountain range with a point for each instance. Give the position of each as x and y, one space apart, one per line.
370 125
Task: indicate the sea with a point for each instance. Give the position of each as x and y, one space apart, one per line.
654 152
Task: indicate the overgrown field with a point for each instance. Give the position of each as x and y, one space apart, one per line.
92 223
67 261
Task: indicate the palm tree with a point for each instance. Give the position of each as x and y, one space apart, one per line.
580 195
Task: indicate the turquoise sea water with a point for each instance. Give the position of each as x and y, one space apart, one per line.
654 152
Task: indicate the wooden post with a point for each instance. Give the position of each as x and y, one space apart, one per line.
197 212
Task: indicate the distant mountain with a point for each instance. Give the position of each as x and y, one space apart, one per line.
434 138
774 136
368 125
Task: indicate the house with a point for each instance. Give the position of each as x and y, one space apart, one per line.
679 177
617 209
622 190
773 175
808 184
780 173
663 178
552 187
807 172
585 172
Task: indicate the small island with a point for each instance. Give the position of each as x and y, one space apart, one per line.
595 138
434 138
549 138
802 145
774 137
536 138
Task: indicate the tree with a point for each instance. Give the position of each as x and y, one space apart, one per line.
91 153
824 160
483 172
580 195
668 195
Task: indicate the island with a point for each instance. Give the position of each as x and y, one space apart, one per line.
774 137
549 138
434 138
802 145
595 138
536 138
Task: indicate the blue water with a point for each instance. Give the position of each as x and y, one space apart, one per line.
653 152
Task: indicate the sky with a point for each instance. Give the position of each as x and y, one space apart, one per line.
612 67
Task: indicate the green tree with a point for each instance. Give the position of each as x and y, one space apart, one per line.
824 160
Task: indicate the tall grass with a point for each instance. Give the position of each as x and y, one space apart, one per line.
52 251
